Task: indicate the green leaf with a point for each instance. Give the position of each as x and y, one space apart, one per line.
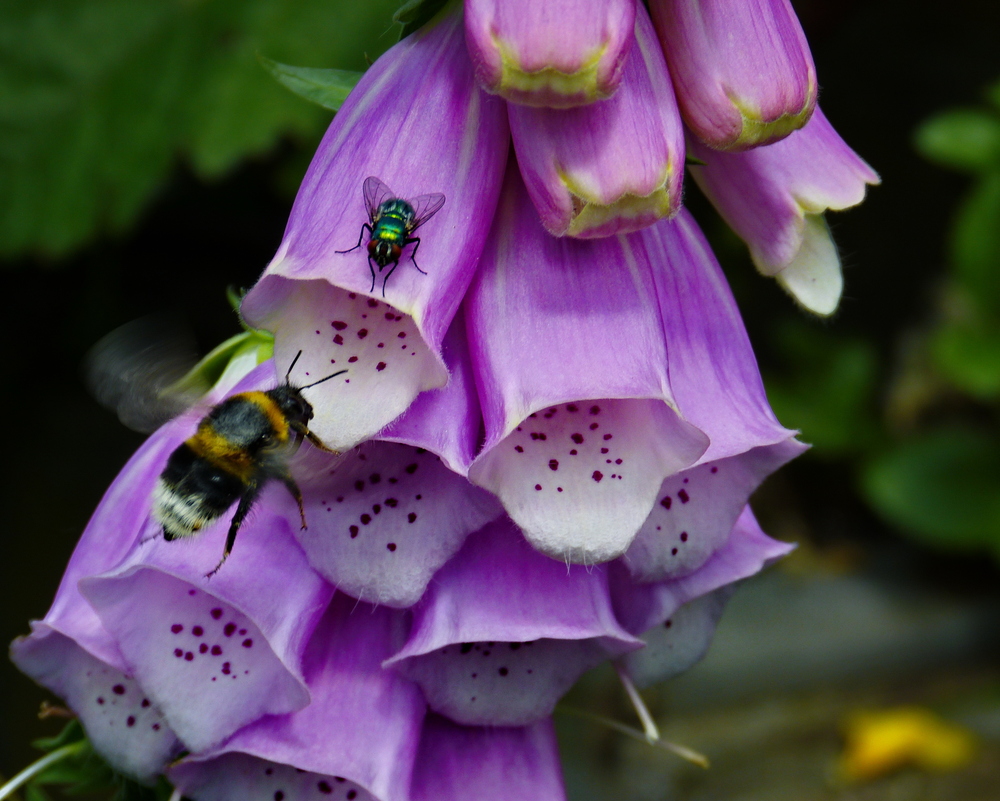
825 388
963 139
968 353
941 487
71 733
325 87
976 243
101 97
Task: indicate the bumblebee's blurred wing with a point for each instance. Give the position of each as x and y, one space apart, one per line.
375 193
130 370
425 207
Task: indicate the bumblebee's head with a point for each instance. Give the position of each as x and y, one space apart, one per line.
293 406
384 252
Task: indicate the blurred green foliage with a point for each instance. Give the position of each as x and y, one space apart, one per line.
925 442
100 97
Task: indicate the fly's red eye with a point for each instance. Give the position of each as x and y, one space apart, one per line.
372 247
396 251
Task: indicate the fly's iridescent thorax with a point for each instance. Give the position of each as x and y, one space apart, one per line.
390 228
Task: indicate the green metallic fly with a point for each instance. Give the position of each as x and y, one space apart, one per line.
390 226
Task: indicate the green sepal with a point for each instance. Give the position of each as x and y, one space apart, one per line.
207 372
71 733
694 161
328 88
963 139
415 13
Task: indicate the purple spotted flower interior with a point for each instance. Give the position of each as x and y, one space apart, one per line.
541 453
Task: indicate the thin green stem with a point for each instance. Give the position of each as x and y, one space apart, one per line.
680 750
38 766
648 724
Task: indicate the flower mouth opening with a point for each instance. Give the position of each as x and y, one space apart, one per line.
549 86
627 214
756 130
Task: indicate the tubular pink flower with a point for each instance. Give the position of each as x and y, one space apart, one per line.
462 762
609 167
676 618
743 72
557 53
359 733
774 197
419 122
504 631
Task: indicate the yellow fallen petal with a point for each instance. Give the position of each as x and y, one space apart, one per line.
879 742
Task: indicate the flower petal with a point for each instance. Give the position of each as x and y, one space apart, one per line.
215 654
446 421
503 631
609 167
461 762
357 739
698 509
121 722
743 71
772 198
418 121
384 517
571 363
642 607
558 53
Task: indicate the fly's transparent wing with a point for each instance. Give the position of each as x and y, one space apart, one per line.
376 192
425 207
130 370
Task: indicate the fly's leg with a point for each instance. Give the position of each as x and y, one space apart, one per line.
415 241
361 236
395 264
246 503
372 269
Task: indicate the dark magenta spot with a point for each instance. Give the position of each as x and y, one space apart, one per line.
514 646
118 689
359 485
607 437
553 464
573 452
354 531
673 552
595 409
216 650
372 303
324 787
100 701
197 631
411 468
411 517
538 486
242 632
268 771
178 653
156 727
379 367
392 503
618 461
465 647
203 648
665 503
594 426
362 333
145 703
338 340
130 720
604 450
226 668
278 795
339 325
376 508
577 438
668 624
519 449
188 656
597 476
216 613
352 360
177 628
351 795
683 496
572 407
714 470
502 671
391 546
366 519
684 536
418 497
401 335
229 629
247 643
192 592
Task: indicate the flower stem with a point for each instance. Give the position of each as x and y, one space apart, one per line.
176 795
680 750
38 766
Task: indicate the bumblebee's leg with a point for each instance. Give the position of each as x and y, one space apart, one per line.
246 503
413 256
293 488
315 441
360 237
296 443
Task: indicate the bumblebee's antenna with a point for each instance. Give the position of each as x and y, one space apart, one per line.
332 375
292 365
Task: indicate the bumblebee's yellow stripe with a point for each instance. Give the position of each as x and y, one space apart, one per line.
278 420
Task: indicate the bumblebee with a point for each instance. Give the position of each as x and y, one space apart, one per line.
239 446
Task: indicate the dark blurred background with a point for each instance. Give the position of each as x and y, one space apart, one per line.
148 161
